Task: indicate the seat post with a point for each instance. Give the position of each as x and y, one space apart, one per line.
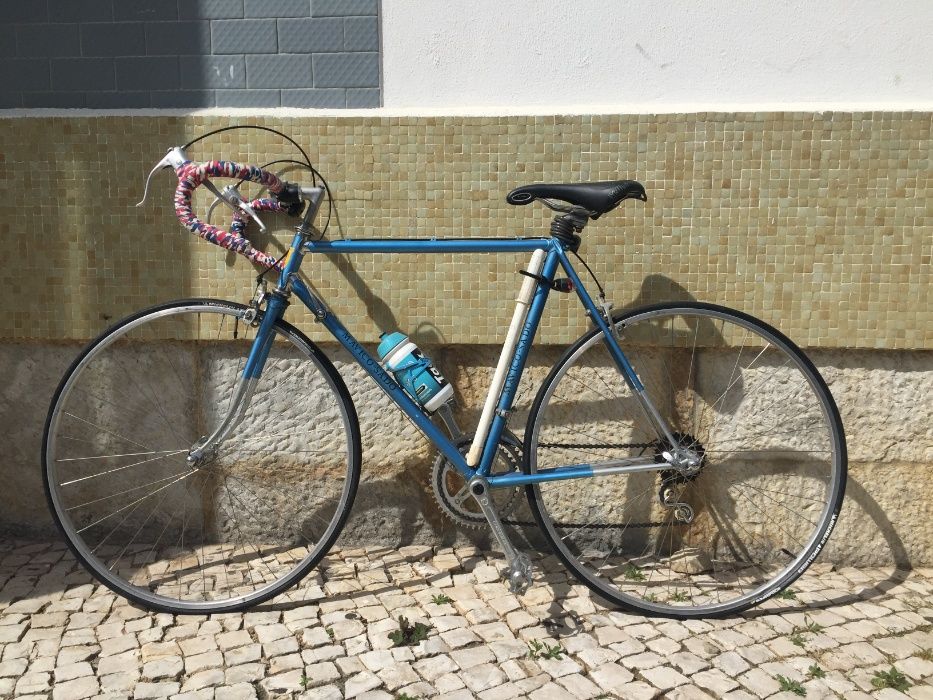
566 227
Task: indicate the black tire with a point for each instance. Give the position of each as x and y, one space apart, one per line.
306 350
622 592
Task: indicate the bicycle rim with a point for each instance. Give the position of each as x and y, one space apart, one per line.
761 422
241 526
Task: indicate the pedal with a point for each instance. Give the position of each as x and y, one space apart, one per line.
519 572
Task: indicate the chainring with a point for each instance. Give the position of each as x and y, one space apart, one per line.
446 482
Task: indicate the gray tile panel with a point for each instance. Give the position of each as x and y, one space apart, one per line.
54 100
10 100
113 39
243 36
363 97
108 54
145 10
281 71
80 74
315 97
47 40
182 98
213 72
148 73
178 38
210 9
346 70
248 98
80 11
311 35
7 40
123 99
361 34
19 11
343 8
277 8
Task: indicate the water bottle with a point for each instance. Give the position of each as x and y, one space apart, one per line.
421 379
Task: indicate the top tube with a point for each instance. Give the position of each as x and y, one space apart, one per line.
431 245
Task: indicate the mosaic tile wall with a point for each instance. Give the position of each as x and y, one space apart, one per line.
820 223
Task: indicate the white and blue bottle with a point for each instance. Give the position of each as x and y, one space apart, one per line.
415 372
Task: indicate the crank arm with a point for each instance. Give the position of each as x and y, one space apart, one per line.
519 571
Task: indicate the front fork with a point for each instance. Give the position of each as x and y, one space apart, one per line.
246 384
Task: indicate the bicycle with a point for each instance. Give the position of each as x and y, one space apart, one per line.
217 472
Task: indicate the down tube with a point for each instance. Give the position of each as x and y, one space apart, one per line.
385 382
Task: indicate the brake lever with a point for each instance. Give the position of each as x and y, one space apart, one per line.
174 158
232 198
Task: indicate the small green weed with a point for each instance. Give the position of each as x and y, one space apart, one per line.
814 627
926 654
543 650
304 681
651 598
633 573
406 696
891 679
797 639
408 635
679 597
441 599
816 672
330 632
787 594
791 685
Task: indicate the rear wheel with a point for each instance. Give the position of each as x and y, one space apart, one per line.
753 413
235 528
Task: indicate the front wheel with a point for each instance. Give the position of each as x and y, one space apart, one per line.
242 522
767 475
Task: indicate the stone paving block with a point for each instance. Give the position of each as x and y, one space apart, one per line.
482 677
360 683
611 676
759 683
203 679
197 645
119 663
916 668
210 659
166 667
155 690
244 673
289 682
76 689
287 645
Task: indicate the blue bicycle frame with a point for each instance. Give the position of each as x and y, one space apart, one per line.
555 255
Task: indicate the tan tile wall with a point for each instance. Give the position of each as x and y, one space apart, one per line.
820 223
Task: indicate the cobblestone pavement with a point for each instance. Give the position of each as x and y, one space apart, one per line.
838 634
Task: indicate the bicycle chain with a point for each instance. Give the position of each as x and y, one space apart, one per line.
622 445
585 445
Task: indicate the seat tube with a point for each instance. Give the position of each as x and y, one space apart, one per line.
525 339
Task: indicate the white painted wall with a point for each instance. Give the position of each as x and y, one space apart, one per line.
686 55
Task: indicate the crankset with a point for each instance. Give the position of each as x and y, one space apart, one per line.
451 489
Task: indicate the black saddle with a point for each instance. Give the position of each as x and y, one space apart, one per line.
597 198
